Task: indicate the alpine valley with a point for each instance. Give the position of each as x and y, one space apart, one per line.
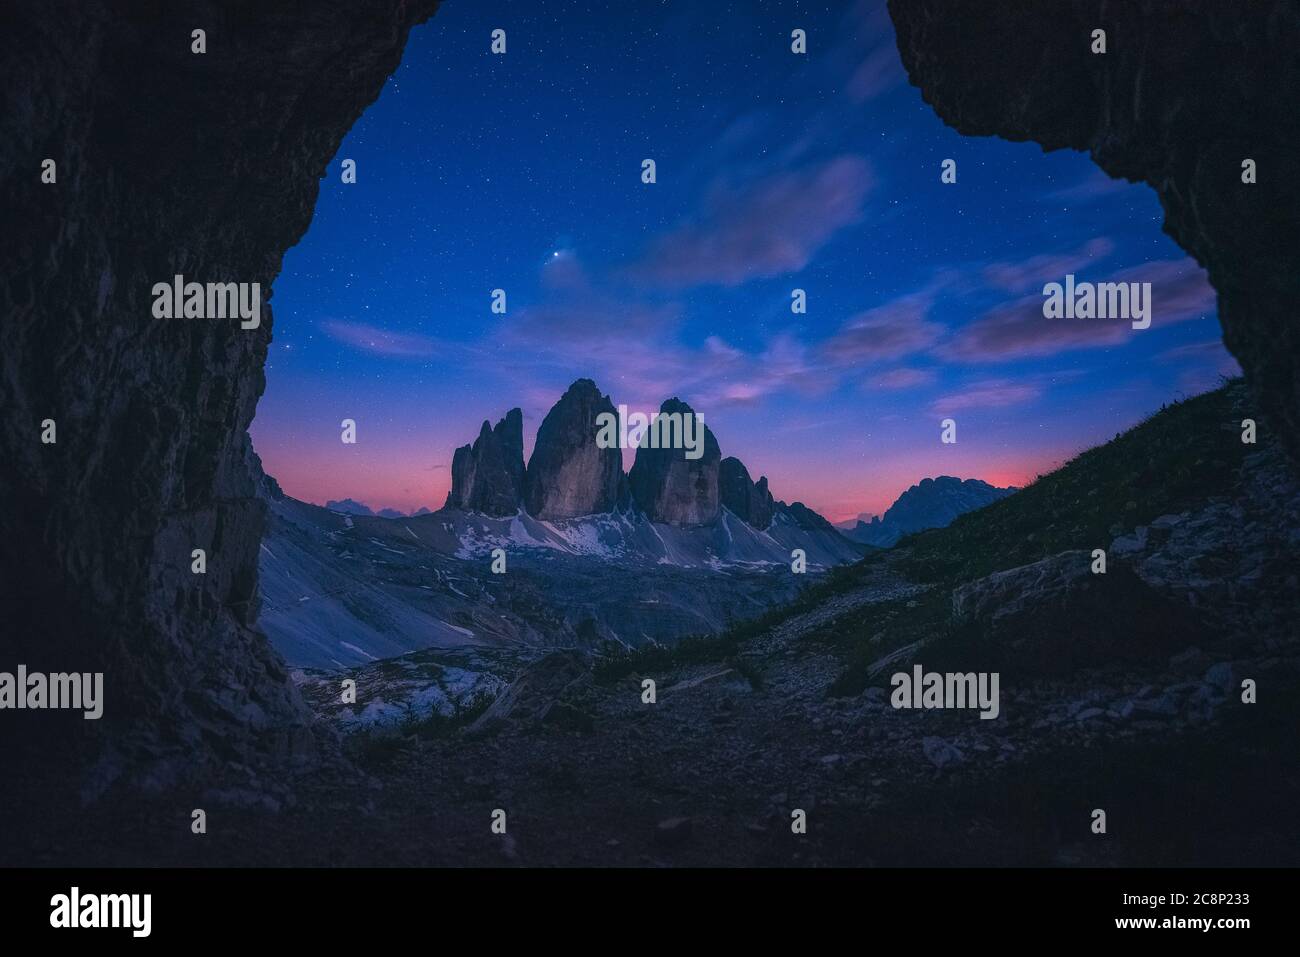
596 560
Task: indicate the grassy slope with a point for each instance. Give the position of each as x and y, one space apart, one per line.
1180 456
1175 459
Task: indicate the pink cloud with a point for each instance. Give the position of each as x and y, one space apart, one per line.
886 332
1211 350
878 72
868 49
989 394
902 378
379 341
1095 186
581 328
1179 291
1206 365
770 228
1032 273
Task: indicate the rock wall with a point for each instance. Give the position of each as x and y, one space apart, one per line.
569 474
750 501
1185 92
168 162
665 484
488 476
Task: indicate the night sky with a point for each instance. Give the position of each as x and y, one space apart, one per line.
775 171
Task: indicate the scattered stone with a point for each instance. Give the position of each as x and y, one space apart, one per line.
941 753
673 832
1223 676
1193 661
1055 617
509 849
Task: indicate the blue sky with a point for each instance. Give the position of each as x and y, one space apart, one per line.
775 171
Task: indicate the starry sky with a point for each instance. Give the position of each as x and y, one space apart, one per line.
775 171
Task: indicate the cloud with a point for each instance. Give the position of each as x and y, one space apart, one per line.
1032 273
1020 331
577 317
581 327
878 72
1179 291
1212 350
1197 380
772 227
1089 189
887 332
594 322
869 51
902 378
1205 365
989 394
634 347
379 341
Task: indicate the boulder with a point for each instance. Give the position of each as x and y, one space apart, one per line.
533 698
1055 616
941 753
673 832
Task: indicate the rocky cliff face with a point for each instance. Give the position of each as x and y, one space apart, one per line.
1184 94
671 488
748 500
568 474
167 162
488 476
805 517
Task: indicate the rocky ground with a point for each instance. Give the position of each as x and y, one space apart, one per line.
1125 692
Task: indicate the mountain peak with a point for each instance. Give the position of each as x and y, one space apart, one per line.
488 476
746 499
349 506
671 488
569 474
930 503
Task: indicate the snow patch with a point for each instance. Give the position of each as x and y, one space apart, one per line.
359 651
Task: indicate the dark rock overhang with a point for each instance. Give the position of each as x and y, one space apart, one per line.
168 162
1185 92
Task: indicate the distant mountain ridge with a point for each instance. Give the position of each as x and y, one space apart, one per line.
598 559
851 523
350 506
931 503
